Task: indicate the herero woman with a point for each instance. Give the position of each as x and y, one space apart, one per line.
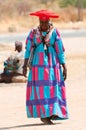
45 94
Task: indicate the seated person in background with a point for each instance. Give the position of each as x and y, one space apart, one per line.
13 65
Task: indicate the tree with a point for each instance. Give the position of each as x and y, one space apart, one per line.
77 3
79 7
45 1
65 3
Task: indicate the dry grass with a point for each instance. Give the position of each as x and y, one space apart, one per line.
17 18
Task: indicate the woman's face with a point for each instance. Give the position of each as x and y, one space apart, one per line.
44 25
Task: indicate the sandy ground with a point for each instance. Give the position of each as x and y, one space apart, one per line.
12 96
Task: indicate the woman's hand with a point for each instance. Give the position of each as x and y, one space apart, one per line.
64 71
25 71
25 67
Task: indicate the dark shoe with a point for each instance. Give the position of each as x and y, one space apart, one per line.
47 121
53 117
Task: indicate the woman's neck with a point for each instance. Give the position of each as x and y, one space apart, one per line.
46 30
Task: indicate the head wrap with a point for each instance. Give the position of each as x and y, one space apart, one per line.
17 43
44 14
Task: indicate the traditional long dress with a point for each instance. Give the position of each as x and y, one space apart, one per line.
45 93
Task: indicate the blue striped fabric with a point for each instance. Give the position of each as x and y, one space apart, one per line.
45 95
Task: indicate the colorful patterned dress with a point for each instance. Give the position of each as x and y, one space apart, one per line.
45 94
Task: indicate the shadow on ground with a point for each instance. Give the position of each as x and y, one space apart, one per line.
26 125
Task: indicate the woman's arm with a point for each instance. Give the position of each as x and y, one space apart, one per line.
29 43
60 53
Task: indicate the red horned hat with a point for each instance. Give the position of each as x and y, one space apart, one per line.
44 14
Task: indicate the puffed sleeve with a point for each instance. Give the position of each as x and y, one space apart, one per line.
59 47
29 44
